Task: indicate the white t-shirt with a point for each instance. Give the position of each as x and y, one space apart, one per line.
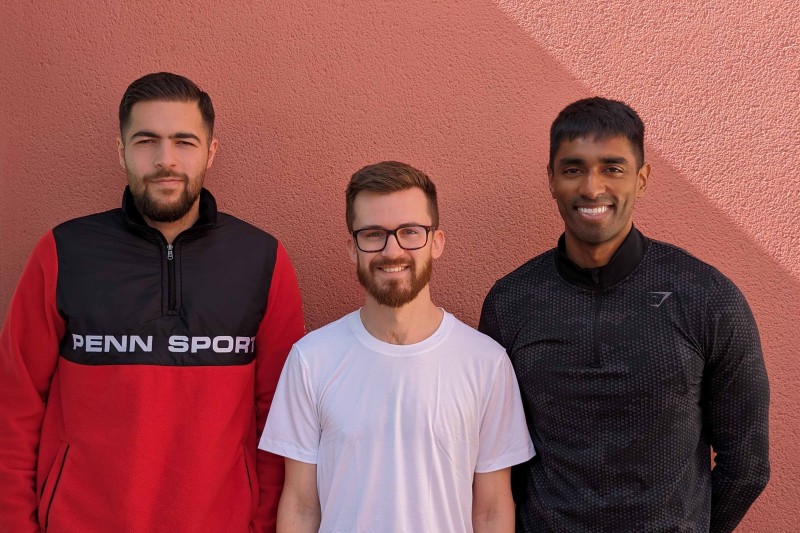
397 431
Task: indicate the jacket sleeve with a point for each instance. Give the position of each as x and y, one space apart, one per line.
488 321
280 328
29 346
736 405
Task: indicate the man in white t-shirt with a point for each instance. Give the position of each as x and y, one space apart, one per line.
396 417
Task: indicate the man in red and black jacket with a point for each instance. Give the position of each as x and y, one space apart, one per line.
143 345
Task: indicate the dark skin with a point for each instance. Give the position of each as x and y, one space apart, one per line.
595 183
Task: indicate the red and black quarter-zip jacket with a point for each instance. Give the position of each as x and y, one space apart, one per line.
136 377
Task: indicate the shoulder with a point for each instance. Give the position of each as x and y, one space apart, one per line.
662 252
535 278
327 338
105 219
698 281
232 225
684 265
467 341
540 267
91 231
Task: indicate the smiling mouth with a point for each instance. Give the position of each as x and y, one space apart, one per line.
599 210
393 269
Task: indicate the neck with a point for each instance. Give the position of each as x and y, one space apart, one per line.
170 230
590 255
409 324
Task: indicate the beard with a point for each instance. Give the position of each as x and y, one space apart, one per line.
159 210
392 293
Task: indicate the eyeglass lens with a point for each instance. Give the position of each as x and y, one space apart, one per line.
408 237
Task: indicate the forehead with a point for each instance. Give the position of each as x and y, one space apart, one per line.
166 118
592 148
391 209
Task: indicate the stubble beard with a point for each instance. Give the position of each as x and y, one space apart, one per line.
159 210
392 293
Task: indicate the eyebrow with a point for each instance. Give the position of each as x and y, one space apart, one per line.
580 161
404 225
152 135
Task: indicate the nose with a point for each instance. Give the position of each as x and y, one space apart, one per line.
165 156
592 185
392 248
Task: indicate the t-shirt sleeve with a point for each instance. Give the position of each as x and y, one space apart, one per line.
293 428
504 437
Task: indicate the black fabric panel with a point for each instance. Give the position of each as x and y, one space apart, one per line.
113 285
615 372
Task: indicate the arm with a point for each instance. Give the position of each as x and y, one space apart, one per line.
29 347
736 404
488 321
492 504
280 328
299 511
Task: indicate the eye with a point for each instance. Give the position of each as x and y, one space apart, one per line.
410 231
185 143
373 234
146 141
615 169
570 171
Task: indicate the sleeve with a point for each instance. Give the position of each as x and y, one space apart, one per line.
293 427
488 322
29 347
280 328
736 405
504 437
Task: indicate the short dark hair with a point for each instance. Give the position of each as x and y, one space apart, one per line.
387 177
168 87
598 118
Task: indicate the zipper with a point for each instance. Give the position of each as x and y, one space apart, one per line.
171 277
597 358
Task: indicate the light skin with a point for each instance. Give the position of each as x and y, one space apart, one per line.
595 183
492 505
161 138
420 318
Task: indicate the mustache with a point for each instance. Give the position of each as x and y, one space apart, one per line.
165 173
391 263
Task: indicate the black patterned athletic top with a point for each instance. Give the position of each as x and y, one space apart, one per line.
630 373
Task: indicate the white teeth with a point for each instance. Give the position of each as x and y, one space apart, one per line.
593 210
394 269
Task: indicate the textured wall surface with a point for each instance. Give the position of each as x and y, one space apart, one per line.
308 92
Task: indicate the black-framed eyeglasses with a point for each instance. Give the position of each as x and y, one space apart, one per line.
409 237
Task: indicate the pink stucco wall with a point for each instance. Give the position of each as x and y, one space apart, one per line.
307 92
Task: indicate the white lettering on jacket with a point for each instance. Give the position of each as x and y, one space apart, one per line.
105 343
175 343
219 344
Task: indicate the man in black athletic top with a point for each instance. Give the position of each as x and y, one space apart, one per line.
634 358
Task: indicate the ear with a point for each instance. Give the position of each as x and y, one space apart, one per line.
121 152
212 151
352 250
550 181
437 247
641 180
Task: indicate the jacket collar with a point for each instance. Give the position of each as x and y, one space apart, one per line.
134 220
623 262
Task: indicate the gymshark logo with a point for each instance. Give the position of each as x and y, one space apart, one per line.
657 298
